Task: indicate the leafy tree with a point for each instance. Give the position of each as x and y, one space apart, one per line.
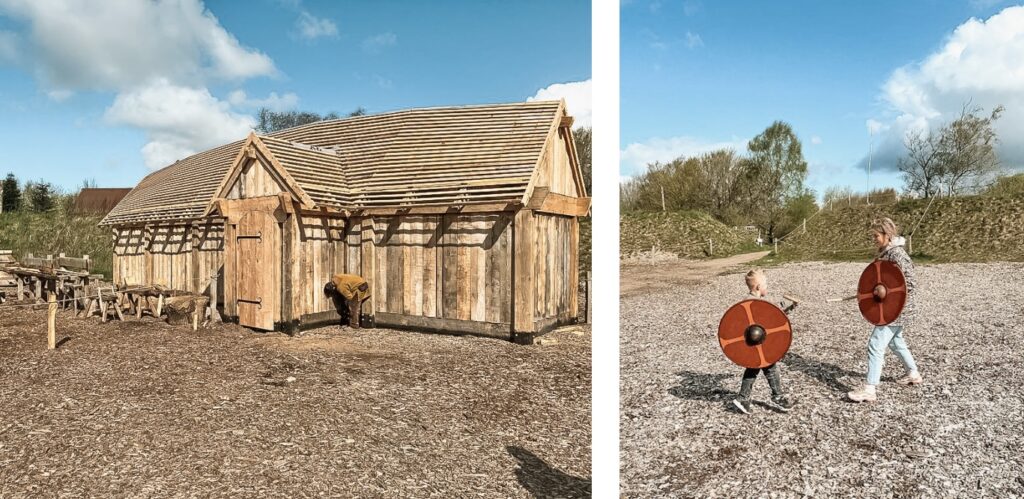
773 174
584 151
42 197
268 121
958 158
968 148
11 194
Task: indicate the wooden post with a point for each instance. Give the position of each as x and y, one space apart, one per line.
805 225
662 198
910 244
21 286
776 241
51 321
711 247
214 314
590 299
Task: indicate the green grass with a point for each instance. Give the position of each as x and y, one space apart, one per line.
964 229
684 234
57 232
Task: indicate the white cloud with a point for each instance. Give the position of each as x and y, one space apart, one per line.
577 95
59 95
691 7
114 45
8 46
978 63
636 156
157 56
311 27
815 140
693 40
273 102
376 43
875 126
179 120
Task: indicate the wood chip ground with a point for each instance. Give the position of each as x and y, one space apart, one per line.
957 435
143 408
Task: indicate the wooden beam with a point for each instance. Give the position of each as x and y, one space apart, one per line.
435 324
559 204
440 209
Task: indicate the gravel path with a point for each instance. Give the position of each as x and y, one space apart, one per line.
959 434
148 409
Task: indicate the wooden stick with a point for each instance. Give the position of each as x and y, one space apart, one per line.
51 321
214 314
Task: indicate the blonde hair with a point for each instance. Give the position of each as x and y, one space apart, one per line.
884 226
753 277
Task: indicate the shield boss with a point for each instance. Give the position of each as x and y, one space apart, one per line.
754 333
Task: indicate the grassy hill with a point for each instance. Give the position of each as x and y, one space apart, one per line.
684 234
966 229
57 232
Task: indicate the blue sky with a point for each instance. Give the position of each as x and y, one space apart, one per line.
109 93
698 74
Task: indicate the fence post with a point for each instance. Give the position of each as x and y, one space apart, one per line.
214 314
776 241
805 225
51 321
910 244
662 198
711 247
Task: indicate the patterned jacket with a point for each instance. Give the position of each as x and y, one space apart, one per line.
896 254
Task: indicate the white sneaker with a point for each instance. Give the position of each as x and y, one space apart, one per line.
913 378
862 394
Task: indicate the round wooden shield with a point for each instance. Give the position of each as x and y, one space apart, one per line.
754 333
883 306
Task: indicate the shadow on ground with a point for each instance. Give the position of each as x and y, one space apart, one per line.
545 482
701 386
827 374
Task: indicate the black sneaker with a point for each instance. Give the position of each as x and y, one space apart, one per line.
743 405
783 403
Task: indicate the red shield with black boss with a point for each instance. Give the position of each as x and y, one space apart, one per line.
881 292
754 333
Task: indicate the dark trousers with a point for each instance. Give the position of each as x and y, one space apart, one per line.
349 310
771 373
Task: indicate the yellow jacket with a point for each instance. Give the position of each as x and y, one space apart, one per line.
352 287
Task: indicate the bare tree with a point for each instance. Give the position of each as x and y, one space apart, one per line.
923 165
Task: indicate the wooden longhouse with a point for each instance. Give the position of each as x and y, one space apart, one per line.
463 220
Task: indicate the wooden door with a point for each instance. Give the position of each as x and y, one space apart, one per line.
258 270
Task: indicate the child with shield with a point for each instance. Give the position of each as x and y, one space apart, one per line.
757 284
890 248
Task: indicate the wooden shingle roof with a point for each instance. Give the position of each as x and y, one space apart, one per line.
418 157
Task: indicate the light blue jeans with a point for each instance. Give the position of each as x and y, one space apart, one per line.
891 336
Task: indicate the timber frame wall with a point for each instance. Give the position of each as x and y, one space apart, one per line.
498 268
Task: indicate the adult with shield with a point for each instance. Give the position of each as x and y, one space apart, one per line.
886 298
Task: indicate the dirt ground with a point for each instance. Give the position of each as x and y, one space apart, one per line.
642 279
145 409
957 435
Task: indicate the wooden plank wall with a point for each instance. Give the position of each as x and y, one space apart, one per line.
555 170
440 266
555 266
170 254
210 257
317 253
129 255
255 181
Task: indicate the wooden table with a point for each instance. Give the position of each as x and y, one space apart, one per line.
35 281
